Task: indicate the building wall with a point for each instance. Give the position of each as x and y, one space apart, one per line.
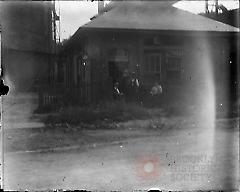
26 41
203 62
109 42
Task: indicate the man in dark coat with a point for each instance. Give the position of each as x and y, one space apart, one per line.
125 85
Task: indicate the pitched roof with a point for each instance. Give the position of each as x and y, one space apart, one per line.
155 15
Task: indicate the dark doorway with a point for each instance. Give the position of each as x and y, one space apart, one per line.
116 70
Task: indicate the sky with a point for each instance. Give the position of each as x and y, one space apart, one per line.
73 14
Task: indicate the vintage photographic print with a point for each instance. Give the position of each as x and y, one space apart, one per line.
120 95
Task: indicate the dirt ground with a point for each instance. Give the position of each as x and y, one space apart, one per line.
185 156
104 155
58 136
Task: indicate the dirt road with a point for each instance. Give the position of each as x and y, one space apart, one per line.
190 159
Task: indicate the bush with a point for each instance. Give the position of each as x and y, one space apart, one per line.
110 112
45 109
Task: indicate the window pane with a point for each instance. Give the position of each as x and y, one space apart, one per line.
158 63
60 73
152 66
158 67
152 63
174 75
146 63
174 63
145 66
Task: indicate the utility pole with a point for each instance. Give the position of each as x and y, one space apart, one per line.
55 26
55 33
1 123
216 8
53 12
206 7
59 23
213 7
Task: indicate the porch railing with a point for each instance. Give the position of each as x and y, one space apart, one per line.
50 95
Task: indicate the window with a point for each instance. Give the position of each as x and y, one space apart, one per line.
152 63
152 67
173 68
118 55
162 41
60 72
174 64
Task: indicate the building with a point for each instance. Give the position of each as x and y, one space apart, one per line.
27 42
230 17
184 51
28 51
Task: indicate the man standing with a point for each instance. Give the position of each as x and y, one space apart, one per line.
117 95
125 85
134 87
